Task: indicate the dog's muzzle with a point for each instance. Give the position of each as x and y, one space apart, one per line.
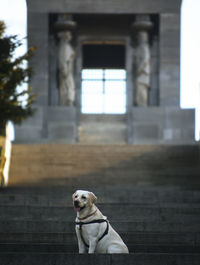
77 207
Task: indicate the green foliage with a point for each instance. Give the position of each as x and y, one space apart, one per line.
13 73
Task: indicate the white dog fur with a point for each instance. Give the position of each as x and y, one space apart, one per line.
87 211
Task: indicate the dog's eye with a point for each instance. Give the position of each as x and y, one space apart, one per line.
83 197
76 196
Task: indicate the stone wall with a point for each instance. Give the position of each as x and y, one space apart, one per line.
169 59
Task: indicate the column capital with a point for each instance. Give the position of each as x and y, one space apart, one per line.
65 23
142 23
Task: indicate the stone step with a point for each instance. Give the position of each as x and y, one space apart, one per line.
115 212
58 160
24 226
102 159
62 196
119 259
89 179
130 174
69 248
184 238
174 149
98 162
68 165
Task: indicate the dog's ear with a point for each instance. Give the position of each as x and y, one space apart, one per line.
93 198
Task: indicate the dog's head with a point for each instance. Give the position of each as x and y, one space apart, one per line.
83 199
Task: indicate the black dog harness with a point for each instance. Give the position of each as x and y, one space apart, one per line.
98 221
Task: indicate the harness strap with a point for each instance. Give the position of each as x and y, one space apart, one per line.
93 222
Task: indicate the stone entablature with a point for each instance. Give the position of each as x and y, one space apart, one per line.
105 6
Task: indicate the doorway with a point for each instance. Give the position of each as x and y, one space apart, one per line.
103 94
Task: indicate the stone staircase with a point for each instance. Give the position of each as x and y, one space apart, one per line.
150 194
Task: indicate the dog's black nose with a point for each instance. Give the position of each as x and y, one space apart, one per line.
76 203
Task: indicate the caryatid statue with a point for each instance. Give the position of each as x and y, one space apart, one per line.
142 60
142 69
66 56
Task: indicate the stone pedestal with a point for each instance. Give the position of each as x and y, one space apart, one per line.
62 124
162 125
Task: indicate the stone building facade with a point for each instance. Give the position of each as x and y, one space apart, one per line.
140 36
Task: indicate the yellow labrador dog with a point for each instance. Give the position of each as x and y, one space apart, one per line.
94 233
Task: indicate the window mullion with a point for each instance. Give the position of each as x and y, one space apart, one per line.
104 92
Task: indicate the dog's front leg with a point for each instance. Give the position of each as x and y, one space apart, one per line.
92 245
81 246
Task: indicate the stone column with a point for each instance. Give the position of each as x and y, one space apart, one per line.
66 57
142 59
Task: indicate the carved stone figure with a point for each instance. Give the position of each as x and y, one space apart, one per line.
66 57
142 69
